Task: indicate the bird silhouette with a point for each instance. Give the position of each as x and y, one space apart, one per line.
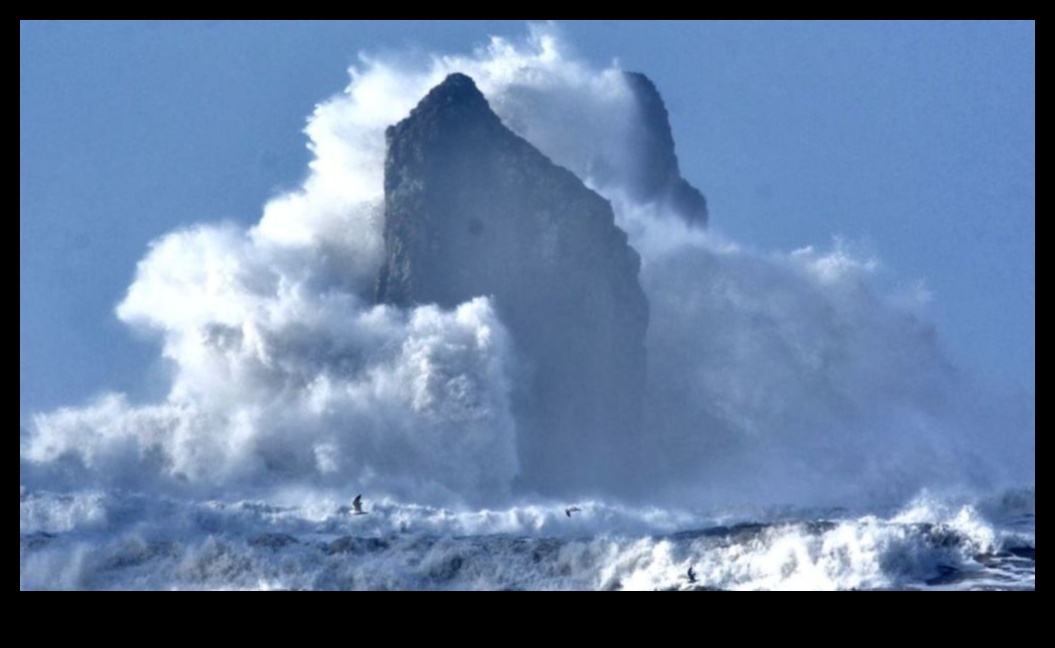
572 510
692 576
357 506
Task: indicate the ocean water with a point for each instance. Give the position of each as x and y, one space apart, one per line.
109 541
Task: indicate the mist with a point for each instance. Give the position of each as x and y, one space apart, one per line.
773 377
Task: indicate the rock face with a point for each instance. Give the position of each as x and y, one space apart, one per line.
472 209
657 176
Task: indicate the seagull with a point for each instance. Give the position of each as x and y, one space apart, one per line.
357 506
572 510
692 576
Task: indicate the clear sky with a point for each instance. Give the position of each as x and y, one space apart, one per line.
915 141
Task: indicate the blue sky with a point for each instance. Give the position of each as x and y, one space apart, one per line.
914 141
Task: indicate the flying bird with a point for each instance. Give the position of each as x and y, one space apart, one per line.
572 510
357 506
692 576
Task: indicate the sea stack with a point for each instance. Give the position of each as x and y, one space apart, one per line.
655 176
472 209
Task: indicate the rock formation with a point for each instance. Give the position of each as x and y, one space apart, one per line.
656 176
472 209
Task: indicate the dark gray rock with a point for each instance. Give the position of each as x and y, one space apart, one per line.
471 209
656 176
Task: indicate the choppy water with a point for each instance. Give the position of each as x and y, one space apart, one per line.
102 541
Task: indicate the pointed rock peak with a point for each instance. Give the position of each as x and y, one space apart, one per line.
458 87
456 98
